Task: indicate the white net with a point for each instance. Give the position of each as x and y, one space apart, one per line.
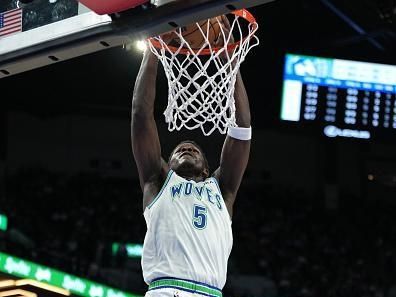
201 81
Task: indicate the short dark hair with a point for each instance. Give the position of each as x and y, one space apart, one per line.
196 145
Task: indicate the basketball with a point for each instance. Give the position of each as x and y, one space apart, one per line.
193 35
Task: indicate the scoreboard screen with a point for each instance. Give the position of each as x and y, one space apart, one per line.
345 98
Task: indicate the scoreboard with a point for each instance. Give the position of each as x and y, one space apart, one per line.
345 98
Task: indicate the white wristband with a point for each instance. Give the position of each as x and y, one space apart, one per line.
240 133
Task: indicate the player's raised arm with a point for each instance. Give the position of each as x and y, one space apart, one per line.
145 141
236 148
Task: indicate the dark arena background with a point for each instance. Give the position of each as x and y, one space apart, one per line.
315 214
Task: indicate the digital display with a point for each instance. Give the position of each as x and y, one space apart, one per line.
346 98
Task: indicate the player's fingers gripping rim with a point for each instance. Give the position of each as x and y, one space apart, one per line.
223 33
168 37
227 29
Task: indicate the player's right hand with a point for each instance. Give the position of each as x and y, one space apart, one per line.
168 37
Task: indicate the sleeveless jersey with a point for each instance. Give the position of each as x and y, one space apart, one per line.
189 232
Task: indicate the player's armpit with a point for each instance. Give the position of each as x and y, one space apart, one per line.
233 162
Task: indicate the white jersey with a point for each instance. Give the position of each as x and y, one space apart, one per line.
189 233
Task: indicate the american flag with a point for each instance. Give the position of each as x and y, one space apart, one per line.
10 22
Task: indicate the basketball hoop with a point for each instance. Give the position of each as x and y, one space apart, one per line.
201 80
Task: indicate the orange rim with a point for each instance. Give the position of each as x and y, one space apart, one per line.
243 13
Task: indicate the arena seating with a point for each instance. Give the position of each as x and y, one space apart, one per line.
291 242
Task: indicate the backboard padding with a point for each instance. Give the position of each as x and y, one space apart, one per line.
114 30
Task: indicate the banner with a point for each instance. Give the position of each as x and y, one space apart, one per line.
76 285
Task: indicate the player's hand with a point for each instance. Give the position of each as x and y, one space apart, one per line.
226 38
227 29
148 55
225 32
168 37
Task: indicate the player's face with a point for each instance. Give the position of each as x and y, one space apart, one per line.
187 159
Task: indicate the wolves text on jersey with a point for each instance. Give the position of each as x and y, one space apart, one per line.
197 191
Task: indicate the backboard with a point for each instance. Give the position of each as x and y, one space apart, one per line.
57 30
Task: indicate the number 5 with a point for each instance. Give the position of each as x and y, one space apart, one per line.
199 216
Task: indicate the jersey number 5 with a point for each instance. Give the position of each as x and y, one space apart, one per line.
199 216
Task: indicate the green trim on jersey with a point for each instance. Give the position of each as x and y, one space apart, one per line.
199 288
162 189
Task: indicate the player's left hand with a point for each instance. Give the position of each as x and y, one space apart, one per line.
225 32
168 37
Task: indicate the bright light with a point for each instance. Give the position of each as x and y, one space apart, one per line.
18 292
370 177
141 45
24 282
3 222
7 283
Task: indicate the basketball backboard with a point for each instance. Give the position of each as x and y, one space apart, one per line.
58 30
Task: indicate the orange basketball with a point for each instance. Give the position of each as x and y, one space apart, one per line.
193 35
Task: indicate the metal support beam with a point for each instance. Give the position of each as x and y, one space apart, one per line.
352 23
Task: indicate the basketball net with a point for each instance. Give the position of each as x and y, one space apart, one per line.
201 82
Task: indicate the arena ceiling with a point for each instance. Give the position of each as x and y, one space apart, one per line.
102 83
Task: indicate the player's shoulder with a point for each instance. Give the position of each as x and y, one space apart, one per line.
155 183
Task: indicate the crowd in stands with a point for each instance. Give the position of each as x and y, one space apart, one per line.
41 12
294 242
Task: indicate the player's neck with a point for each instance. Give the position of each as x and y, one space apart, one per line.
191 176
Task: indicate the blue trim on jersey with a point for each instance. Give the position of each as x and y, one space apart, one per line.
218 187
182 289
162 189
186 280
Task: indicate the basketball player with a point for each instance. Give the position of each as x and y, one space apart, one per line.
187 211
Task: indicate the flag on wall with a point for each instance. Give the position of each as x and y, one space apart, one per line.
10 22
